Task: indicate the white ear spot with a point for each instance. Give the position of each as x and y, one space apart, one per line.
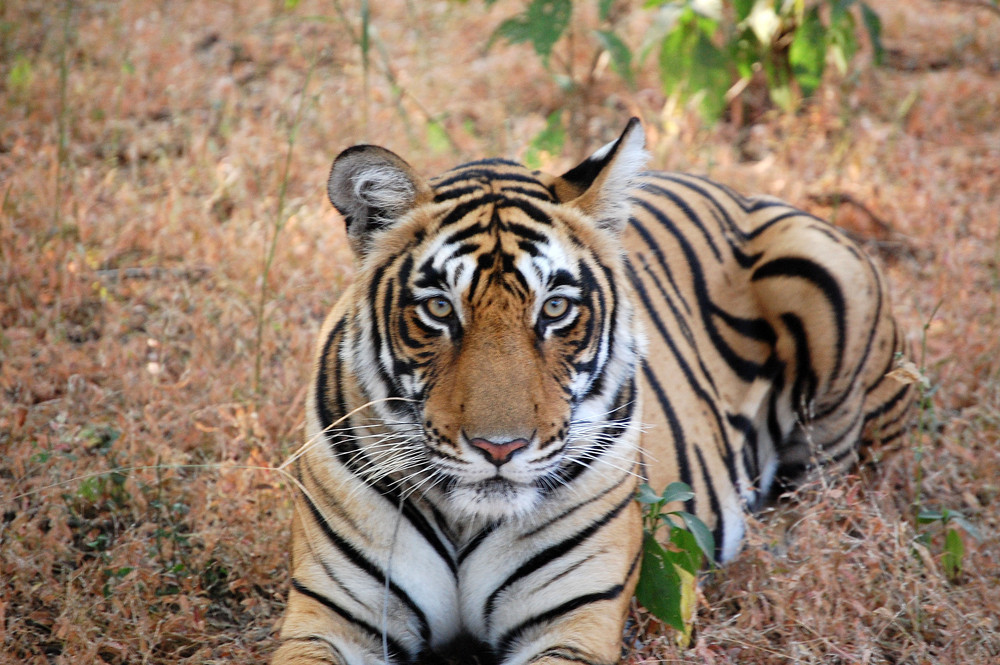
626 166
373 188
610 204
384 189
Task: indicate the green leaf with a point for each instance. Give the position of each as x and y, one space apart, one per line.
548 141
807 54
646 495
954 552
677 491
709 75
542 24
688 591
437 137
604 8
701 534
688 554
967 526
20 75
91 489
676 53
621 56
873 26
659 584
841 37
926 516
743 8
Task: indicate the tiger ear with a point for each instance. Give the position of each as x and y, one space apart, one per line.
373 188
599 186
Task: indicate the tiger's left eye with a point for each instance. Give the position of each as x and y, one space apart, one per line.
555 307
439 308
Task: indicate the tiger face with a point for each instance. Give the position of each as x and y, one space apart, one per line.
493 327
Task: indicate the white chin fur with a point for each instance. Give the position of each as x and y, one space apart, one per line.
483 501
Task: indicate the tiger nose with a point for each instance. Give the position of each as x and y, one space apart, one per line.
498 453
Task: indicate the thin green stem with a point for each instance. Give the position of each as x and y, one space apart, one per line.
923 408
279 225
62 150
365 44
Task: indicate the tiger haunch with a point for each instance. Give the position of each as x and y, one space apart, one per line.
531 347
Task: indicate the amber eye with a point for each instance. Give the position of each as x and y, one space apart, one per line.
439 308
555 307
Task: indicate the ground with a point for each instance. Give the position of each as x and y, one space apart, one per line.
167 255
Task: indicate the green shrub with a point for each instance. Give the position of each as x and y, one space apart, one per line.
710 51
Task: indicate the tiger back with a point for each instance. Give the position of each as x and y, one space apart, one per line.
518 351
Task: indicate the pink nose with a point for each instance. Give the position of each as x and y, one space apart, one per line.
498 453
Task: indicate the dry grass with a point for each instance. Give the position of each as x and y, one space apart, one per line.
130 272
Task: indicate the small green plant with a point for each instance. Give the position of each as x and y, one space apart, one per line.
953 549
280 219
549 141
709 52
668 574
543 23
953 554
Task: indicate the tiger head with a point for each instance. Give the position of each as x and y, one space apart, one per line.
493 303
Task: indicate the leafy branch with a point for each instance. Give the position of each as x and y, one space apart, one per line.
710 52
668 576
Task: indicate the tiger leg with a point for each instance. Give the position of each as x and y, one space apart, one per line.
320 627
836 341
573 610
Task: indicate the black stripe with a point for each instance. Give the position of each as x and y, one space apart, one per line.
889 404
476 541
713 499
680 320
376 332
456 193
744 368
657 252
806 383
540 193
710 402
527 232
719 211
569 654
682 464
395 648
751 454
505 642
810 271
777 219
528 209
358 559
338 658
688 212
561 516
550 554
467 207
327 417
461 173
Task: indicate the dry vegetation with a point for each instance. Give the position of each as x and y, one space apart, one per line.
152 152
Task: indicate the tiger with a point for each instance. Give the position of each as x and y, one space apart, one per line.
517 353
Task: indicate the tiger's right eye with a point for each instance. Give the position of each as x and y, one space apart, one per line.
439 308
